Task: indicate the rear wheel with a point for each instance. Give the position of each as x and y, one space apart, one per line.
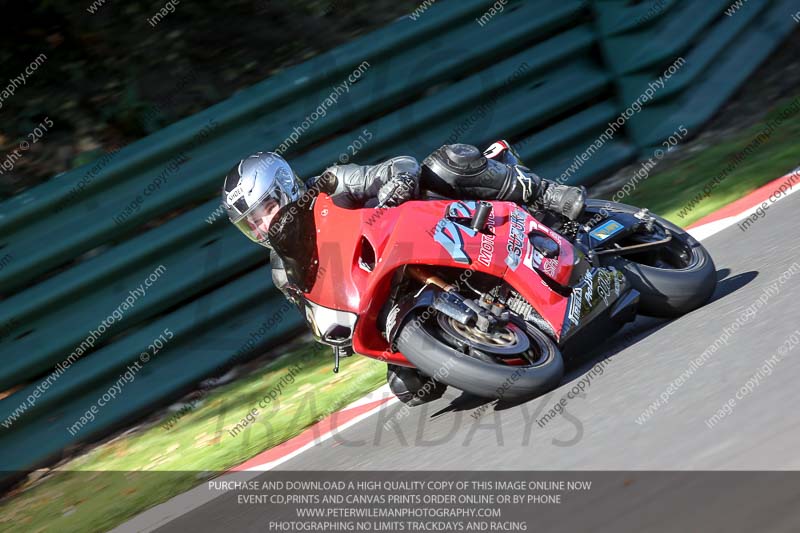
514 362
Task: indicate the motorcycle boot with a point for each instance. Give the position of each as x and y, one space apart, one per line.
411 387
563 199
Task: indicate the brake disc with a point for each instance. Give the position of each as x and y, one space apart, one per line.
504 341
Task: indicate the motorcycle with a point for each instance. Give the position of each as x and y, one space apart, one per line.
486 297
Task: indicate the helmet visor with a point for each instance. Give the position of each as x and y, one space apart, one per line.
255 224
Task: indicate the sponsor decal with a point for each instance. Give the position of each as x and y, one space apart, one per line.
595 285
487 242
606 230
533 259
448 232
589 282
550 267
495 149
235 194
525 182
541 228
604 284
516 238
391 318
575 305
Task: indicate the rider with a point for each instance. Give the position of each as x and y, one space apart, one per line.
259 186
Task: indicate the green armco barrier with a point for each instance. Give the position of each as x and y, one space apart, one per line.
547 75
198 349
738 49
201 315
721 48
89 222
643 46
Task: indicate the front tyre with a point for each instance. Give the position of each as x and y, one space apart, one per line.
518 363
672 280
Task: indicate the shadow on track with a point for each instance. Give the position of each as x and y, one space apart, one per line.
728 285
579 365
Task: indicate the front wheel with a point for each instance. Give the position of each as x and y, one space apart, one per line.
673 279
514 363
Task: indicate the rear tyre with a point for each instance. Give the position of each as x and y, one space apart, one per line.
521 363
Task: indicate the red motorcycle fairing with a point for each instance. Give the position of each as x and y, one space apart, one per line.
359 251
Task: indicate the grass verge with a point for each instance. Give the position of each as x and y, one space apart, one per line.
116 480
675 184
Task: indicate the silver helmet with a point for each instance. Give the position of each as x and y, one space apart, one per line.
255 190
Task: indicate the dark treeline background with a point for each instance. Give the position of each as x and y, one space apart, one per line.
104 71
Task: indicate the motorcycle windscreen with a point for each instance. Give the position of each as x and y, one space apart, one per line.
293 236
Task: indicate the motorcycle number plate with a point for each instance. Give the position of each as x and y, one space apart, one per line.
606 230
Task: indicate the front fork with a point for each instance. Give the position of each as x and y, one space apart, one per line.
485 313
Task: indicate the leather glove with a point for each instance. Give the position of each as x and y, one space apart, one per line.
398 189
